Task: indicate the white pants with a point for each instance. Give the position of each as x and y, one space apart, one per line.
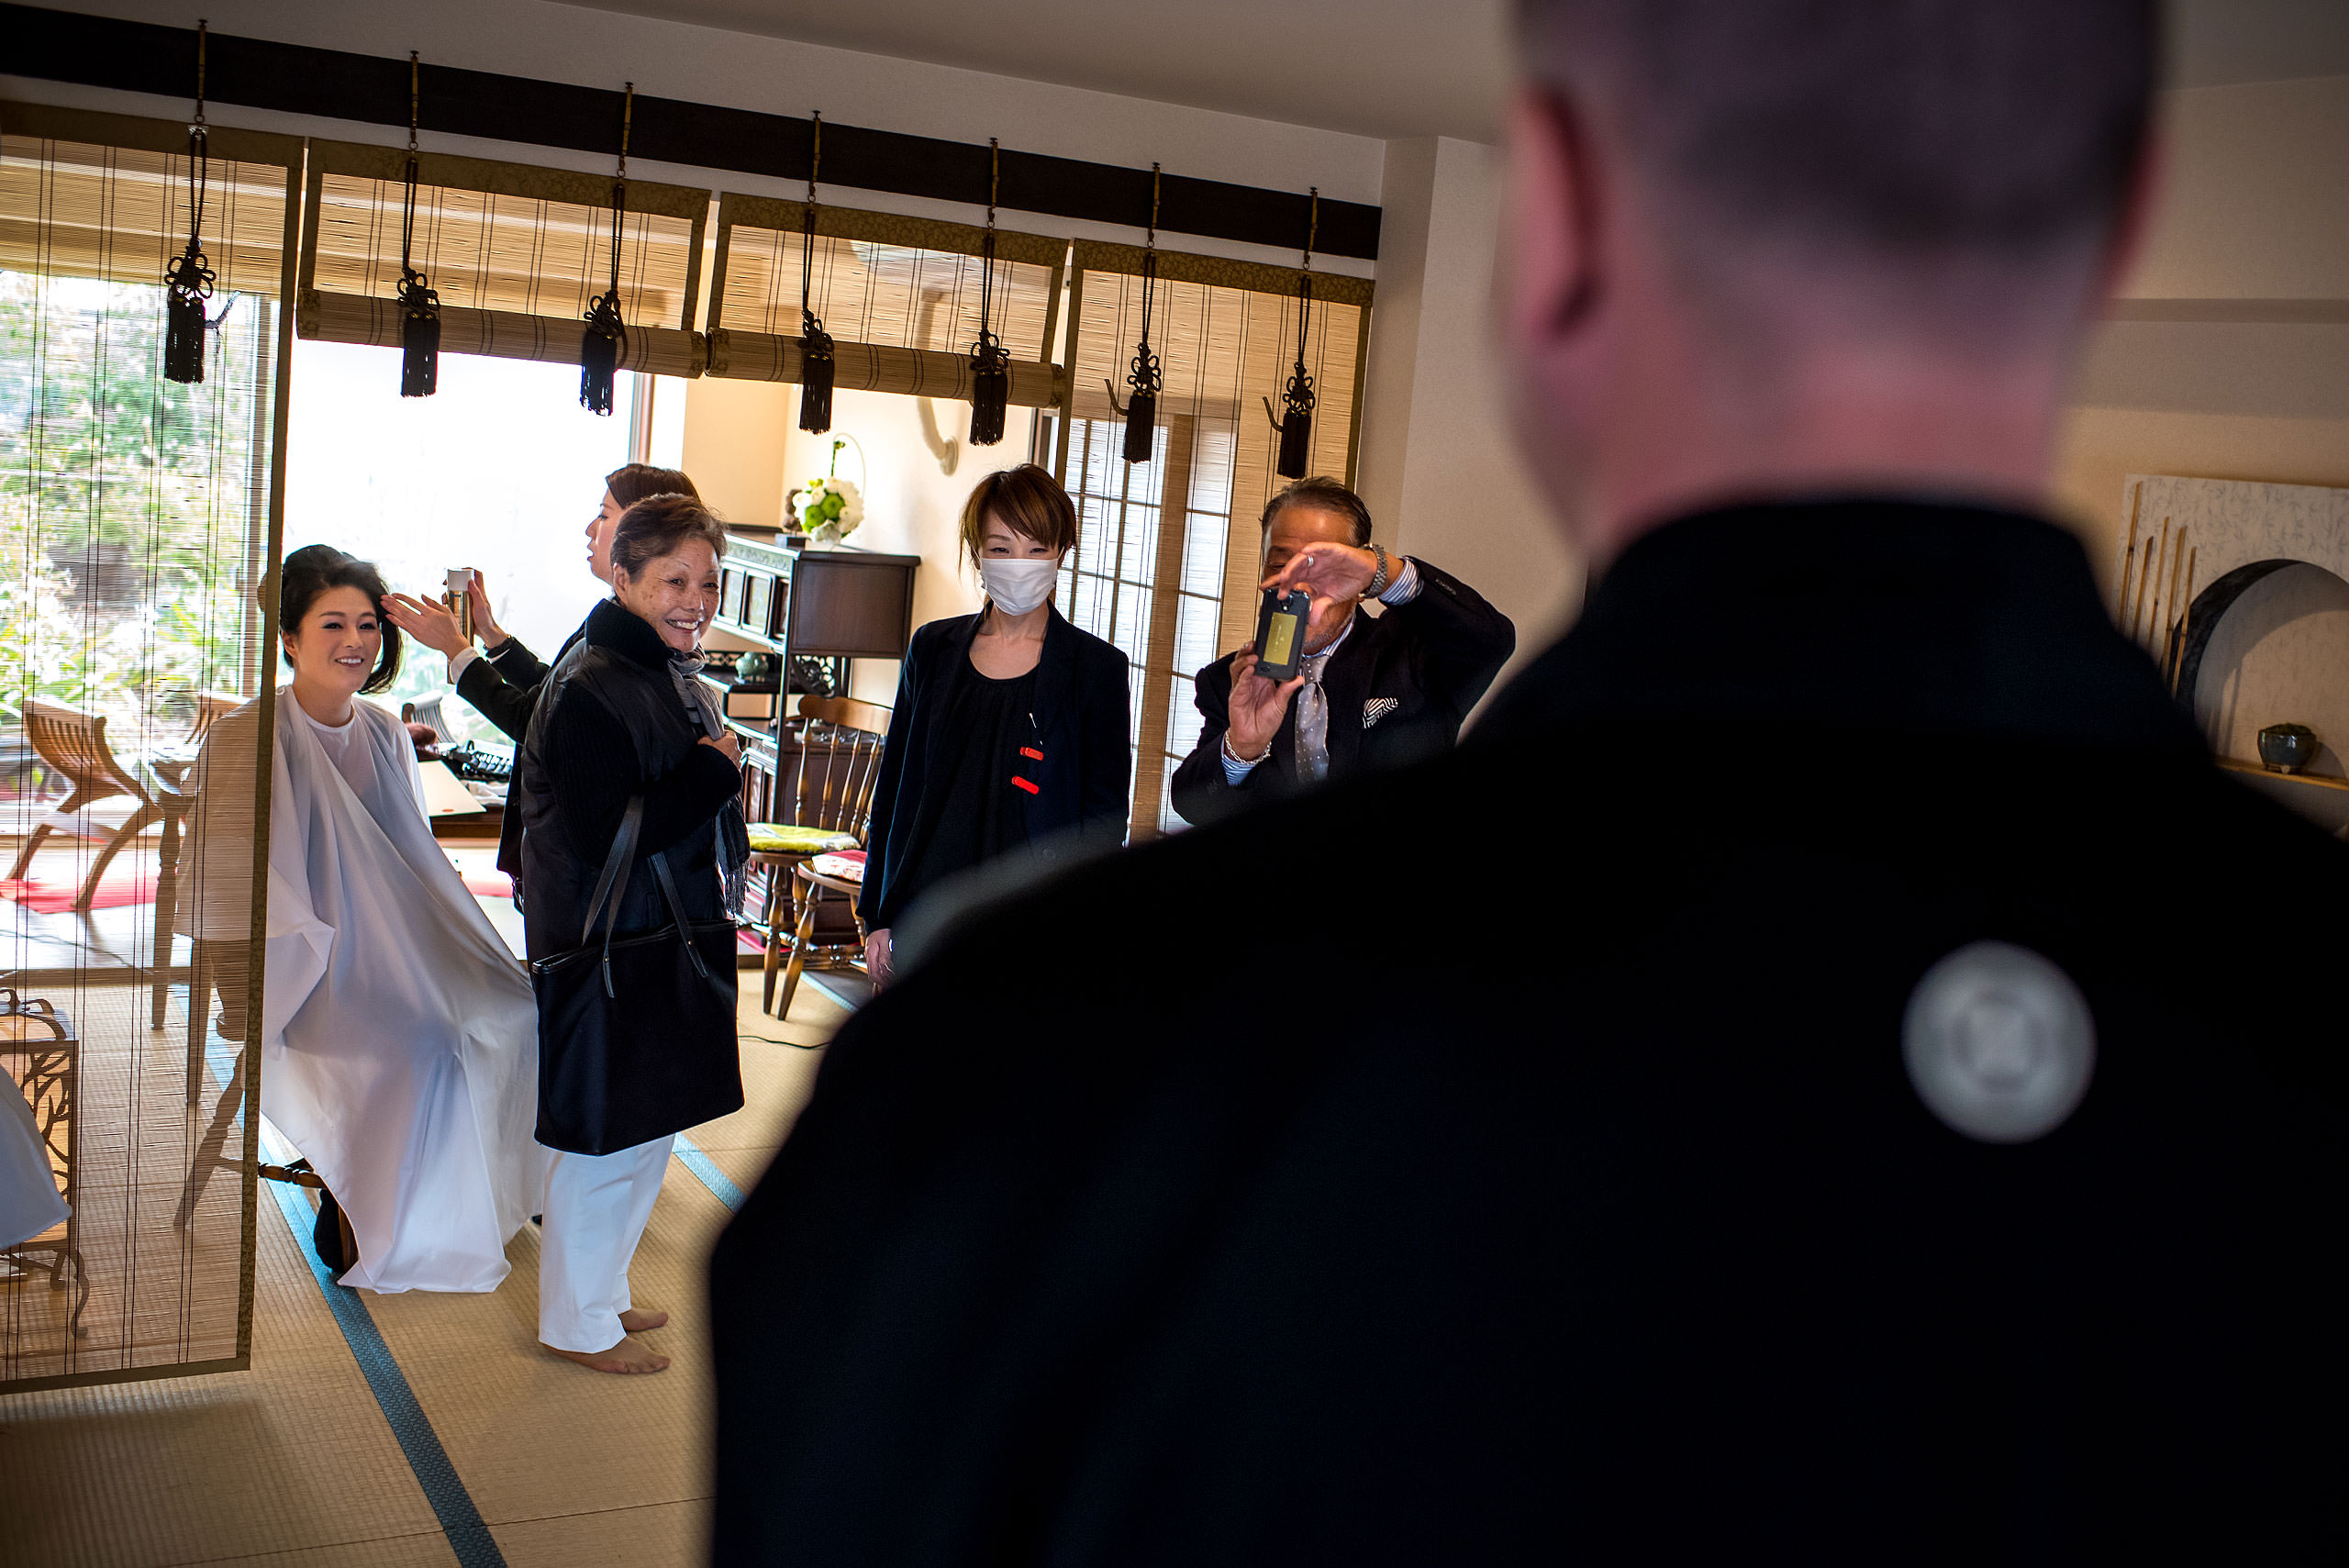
597 1205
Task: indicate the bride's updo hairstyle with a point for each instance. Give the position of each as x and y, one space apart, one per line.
309 572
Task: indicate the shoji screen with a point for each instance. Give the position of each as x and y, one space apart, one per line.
137 517
900 296
514 253
1166 567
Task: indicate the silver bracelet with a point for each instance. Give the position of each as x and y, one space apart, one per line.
1236 757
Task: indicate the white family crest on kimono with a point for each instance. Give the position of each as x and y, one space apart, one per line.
398 1033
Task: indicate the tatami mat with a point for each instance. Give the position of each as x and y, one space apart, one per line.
292 1463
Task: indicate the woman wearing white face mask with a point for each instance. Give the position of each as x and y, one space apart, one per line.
1010 730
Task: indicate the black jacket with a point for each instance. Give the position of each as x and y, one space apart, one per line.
1614 1230
1082 783
504 688
1400 687
609 725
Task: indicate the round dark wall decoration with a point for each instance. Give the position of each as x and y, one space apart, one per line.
2210 607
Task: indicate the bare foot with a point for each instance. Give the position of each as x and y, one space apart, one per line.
626 1357
637 1320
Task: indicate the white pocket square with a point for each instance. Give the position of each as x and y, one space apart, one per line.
1377 708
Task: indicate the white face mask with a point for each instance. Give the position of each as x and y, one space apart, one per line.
1019 586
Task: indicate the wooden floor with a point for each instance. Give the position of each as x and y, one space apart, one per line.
294 1462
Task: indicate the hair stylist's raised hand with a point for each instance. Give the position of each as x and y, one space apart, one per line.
424 621
727 744
484 622
1257 706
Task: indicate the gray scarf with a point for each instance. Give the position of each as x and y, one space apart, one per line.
733 835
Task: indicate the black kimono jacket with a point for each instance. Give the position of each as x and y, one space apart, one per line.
1619 1230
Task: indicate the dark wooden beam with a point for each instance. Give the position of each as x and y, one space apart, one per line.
140 57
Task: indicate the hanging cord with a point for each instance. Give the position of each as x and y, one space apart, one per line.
1295 421
189 278
808 322
420 304
816 367
1142 374
599 348
990 360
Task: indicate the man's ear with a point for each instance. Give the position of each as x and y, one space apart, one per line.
1553 276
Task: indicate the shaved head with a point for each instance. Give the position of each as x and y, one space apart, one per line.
1918 143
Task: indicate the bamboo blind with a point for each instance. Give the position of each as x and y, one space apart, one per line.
73 209
1226 336
137 516
899 294
516 253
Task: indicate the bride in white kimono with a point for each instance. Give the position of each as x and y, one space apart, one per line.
398 1033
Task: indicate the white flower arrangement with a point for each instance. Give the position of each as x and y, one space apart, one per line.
830 509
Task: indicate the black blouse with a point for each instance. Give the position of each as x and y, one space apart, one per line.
969 811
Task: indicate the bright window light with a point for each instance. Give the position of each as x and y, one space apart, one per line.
501 470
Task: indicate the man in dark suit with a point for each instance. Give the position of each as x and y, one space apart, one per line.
1372 693
1853 1128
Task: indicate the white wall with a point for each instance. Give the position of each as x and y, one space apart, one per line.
911 505
1440 470
2253 223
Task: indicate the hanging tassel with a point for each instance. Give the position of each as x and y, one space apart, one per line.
419 337
815 376
599 352
1141 424
1143 374
189 282
990 390
990 360
419 303
815 343
599 346
1295 423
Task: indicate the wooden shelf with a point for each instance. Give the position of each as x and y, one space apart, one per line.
2317 781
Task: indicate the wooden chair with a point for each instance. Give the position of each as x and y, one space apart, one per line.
40 1057
211 708
74 744
843 875
840 763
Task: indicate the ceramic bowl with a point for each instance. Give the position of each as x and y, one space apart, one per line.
2287 747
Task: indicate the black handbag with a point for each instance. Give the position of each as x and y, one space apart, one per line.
636 1033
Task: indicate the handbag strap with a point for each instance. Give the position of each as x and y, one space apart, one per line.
614 880
677 909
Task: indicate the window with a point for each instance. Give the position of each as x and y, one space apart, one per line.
1167 564
500 470
135 518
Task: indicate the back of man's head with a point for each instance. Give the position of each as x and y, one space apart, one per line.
1891 134
1776 245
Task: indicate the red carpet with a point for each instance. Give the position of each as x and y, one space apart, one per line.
120 885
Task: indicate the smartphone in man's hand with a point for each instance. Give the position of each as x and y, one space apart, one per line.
1280 633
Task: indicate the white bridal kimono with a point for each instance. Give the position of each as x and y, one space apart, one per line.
398 1033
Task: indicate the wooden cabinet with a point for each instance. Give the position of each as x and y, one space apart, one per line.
819 603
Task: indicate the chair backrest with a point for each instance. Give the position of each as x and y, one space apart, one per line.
840 762
427 713
211 708
74 743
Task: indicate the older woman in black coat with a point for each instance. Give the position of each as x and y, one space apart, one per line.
625 738
1012 733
